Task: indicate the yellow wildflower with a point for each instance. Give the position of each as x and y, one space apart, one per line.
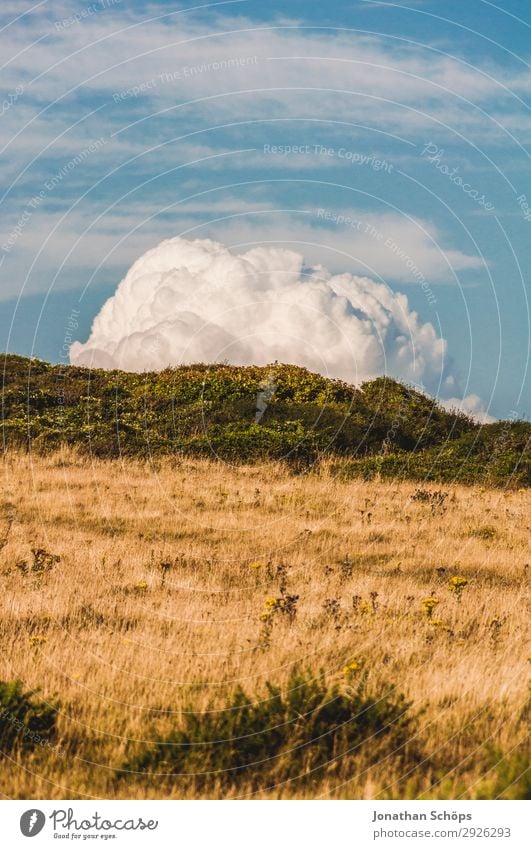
457 585
429 605
352 667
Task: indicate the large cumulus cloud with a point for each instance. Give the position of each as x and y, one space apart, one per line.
196 301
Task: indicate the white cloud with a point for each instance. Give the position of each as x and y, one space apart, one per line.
386 245
112 51
385 83
472 405
187 301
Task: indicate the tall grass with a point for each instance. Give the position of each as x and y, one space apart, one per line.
192 602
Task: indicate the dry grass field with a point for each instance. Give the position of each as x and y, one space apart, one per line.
180 581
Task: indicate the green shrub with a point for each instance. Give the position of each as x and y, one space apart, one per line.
25 721
288 734
507 776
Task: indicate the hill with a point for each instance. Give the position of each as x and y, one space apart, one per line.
249 414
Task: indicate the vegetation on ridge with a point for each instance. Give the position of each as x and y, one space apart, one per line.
247 414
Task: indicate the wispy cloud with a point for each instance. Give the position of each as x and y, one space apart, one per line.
172 95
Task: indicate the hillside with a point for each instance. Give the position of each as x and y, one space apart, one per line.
252 414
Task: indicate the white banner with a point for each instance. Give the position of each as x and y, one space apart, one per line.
265 824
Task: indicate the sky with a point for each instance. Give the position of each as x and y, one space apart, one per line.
386 141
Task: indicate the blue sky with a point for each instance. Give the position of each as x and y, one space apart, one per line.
281 123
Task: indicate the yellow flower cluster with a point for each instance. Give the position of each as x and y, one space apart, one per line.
353 667
458 583
270 606
429 605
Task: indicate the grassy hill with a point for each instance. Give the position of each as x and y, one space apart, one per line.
252 414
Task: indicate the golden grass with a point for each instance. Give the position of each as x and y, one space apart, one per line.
114 636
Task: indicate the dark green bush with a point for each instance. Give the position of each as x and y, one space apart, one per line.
25 721
288 734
